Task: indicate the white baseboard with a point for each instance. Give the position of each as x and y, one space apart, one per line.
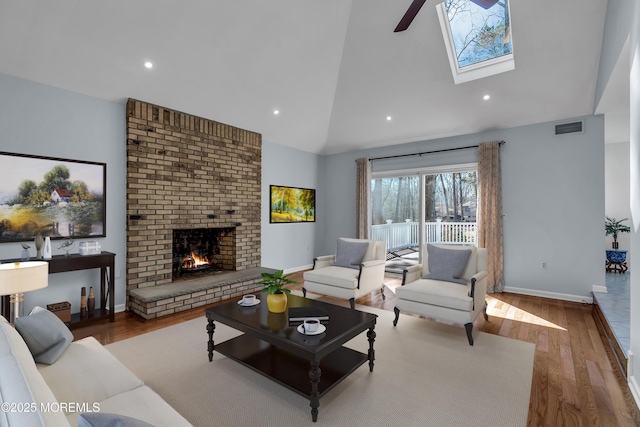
296 269
552 295
120 307
599 289
635 389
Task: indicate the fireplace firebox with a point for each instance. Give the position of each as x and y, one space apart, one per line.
201 251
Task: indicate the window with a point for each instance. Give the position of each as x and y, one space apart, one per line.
477 35
451 197
435 205
395 199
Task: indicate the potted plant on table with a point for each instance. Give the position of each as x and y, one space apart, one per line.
277 294
613 226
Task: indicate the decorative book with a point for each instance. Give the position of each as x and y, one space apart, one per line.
299 314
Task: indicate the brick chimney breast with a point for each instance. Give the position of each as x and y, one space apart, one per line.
187 172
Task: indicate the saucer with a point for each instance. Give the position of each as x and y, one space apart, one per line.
321 329
248 305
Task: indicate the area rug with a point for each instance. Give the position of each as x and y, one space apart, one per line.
425 374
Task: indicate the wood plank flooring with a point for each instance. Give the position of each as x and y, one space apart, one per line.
576 381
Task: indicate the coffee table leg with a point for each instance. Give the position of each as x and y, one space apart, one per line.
371 335
314 374
210 329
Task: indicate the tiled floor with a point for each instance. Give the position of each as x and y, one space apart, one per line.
615 306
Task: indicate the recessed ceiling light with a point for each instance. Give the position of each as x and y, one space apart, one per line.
276 112
486 97
388 118
148 65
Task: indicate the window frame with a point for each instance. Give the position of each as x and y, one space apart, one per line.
475 71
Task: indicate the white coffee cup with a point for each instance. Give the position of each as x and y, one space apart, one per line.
248 300
311 325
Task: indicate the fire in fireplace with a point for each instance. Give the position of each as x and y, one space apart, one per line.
203 251
194 262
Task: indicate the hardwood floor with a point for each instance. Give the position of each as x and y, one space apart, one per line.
576 381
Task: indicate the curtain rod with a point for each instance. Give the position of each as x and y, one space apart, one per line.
429 152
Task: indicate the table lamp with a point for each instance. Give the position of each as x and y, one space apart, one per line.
19 277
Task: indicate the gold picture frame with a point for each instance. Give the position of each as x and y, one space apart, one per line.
291 204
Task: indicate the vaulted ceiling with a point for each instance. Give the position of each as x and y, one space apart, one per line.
333 68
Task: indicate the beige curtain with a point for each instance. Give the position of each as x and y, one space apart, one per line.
363 184
490 211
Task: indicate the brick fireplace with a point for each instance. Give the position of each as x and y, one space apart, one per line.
188 173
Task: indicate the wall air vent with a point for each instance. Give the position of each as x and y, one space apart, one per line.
565 128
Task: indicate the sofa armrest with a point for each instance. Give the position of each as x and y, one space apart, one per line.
371 273
323 261
411 274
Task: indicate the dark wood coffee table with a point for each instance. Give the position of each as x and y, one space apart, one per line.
310 365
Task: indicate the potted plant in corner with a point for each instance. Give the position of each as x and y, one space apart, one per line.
613 226
273 286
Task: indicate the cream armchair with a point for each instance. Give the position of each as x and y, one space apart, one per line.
452 292
355 270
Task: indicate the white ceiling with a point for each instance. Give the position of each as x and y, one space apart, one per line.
334 68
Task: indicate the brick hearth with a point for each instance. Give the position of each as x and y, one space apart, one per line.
187 172
156 301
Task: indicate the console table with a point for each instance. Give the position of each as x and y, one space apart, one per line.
105 261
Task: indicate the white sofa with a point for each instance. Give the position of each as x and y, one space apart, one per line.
86 378
362 277
458 301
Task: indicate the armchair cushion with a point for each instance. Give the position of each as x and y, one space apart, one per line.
447 264
334 276
350 253
437 293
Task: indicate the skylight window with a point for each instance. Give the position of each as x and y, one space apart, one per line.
477 35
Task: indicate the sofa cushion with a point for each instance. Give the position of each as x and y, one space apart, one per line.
447 264
350 253
23 409
13 346
101 419
86 373
143 404
45 334
437 292
334 276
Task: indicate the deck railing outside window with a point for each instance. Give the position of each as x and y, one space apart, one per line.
405 234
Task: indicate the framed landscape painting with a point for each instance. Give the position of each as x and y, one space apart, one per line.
292 204
48 196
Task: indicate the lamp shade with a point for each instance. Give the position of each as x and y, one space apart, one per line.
21 277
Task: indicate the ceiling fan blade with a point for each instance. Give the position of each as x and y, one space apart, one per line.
408 17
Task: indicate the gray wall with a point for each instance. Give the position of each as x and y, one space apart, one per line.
622 22
617 27
634 374
553 198
289 247
42 120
